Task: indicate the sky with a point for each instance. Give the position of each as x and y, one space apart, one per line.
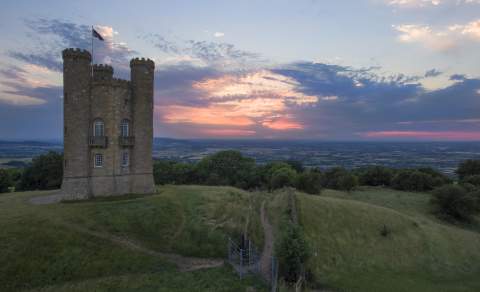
366 70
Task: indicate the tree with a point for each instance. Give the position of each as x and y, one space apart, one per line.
468 168
454 202
163 172
347 182
376 176
5 181
227 168
283 177
413 180
309 182
45 173
472 179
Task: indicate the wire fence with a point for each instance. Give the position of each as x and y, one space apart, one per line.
245 258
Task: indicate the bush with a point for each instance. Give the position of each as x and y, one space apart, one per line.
45 173
5 181
227 168
468 168
292 251
473 180
283 177
376 176
340 179
309 182
413 180
454 202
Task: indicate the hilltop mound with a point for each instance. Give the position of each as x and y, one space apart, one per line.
385 240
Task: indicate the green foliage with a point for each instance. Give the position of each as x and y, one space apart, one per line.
454 202
309 182
171 172
413 180
340 179
292 251
473 180
468 168
5 181
376 176
283 177
45 173
226 168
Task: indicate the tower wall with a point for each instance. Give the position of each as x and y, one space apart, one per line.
142 77
76 100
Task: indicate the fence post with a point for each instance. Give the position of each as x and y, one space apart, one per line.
241 264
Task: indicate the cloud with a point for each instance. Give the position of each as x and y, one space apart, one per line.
425 135
205 53
219 34
51 36
441 39
432 73
428 3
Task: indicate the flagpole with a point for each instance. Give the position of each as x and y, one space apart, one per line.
91 36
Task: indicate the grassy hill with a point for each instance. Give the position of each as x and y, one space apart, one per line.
420 253
124 243
85 246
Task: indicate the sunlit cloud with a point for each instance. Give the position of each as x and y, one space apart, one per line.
441 39
282 124
211 115
228 132
428 135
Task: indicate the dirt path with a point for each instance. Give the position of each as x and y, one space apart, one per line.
184 264
266 259
55 197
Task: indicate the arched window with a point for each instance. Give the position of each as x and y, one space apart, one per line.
125 128
98 128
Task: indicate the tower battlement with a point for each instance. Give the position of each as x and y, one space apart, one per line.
142 62
76 53
102 72
108 131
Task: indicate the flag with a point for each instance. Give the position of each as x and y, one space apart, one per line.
96 34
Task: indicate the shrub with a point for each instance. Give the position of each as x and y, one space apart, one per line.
454 202
309 182
413 180
473 180
292 251
5 181
227 168
347 182
283 177
45 173
376 176
468 168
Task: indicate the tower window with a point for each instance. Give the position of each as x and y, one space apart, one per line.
98 160
125 128
125 158
98 128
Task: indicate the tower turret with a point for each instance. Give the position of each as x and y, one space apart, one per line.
76 111
142 79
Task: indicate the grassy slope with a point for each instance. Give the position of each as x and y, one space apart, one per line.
421 254
39 246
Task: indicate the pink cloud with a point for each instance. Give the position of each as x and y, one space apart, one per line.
440 135
282 124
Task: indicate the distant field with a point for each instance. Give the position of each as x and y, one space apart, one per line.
420 254
53 246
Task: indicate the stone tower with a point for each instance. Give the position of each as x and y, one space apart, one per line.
108 128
